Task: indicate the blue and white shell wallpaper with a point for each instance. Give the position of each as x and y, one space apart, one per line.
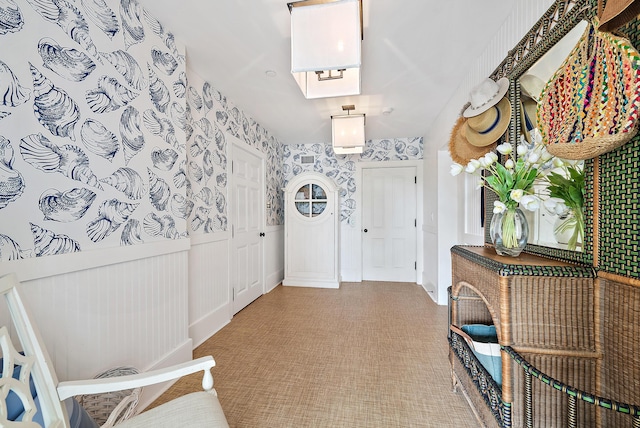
342 168
212 118
103 140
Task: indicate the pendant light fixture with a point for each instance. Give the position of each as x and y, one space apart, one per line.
347 132
326 39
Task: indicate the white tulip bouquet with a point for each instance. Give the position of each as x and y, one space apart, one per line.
512 182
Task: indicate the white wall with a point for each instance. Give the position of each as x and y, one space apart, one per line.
430 226
450 200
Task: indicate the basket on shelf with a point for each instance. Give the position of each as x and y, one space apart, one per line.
110 408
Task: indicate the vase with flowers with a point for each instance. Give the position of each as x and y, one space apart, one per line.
512 183
565 188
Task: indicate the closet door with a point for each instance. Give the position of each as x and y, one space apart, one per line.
246 243
389 222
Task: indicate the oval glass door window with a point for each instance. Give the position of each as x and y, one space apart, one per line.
311 200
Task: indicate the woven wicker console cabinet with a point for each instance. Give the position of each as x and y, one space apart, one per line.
544 309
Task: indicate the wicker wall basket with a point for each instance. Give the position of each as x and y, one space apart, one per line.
111 408
590 105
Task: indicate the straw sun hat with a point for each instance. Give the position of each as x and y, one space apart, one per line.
531 86
484 96
528 117
530 90
486 128
617 13
482 122
459 148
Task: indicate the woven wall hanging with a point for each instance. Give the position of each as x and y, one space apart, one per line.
590 105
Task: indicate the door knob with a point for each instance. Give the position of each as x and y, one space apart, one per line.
261 233
366 230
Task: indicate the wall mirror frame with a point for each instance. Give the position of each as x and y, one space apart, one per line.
557 21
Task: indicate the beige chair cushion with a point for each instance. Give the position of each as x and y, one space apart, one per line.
198 409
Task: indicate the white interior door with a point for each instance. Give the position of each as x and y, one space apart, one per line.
311 232
389 222
246 201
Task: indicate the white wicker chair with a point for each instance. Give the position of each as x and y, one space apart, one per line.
197 409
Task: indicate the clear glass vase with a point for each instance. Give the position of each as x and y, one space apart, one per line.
569 229
509 232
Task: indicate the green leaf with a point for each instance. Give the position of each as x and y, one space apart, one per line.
576 176
576 196
492 181
505 175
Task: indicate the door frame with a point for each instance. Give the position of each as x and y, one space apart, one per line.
357 196
236 143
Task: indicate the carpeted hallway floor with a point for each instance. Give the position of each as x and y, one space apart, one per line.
369 354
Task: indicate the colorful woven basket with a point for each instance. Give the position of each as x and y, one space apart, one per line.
590 105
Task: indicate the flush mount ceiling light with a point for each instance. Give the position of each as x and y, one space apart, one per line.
347 132
326 37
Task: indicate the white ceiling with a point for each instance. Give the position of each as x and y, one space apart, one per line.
414 55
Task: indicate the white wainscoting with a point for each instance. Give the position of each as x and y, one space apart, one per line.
209 291
273 257
126 313
350 248
430 226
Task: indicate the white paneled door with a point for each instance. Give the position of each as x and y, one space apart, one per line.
389 220
247 213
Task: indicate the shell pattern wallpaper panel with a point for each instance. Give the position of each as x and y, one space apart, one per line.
342 168
212 117
103 142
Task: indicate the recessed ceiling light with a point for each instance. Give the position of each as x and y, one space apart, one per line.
387 111
270 73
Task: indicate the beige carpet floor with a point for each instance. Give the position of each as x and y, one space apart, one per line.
369 354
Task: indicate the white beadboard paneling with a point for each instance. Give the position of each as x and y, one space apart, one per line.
132 313
350 251
448 211
273 257
522 18
209 278
473 232
430 273
209 290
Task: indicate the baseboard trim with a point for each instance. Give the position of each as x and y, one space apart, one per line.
310 283
273 280
208 325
